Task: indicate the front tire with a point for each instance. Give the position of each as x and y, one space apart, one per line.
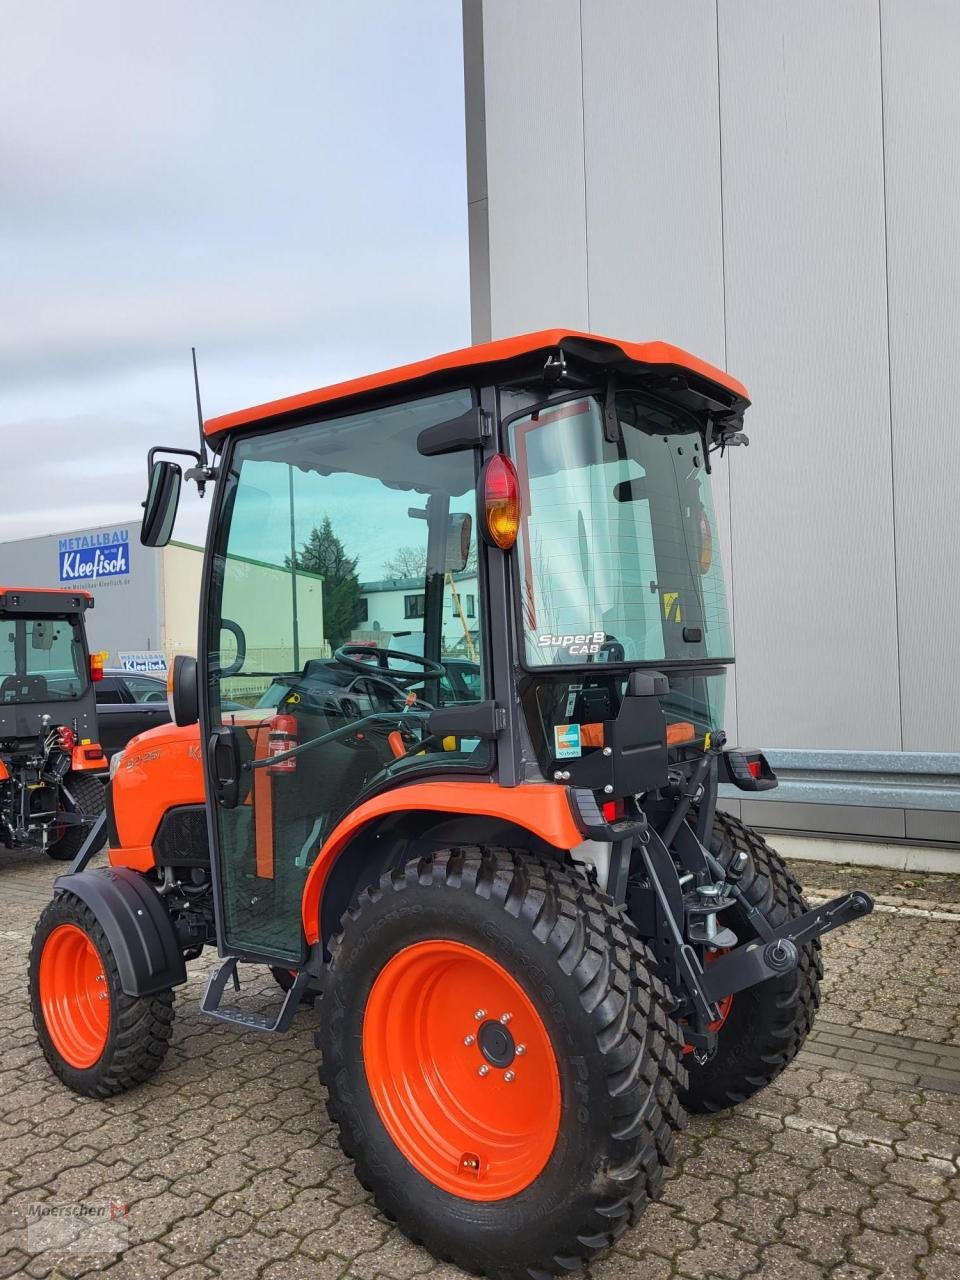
766 1025
498 1052
91 799
97 1039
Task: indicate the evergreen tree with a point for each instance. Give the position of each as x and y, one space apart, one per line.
323 553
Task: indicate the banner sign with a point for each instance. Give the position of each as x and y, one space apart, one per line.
96 555
145 663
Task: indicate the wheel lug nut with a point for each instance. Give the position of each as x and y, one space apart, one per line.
520 1050
468 1040
480 1015
509 1077
505 1018
484 1070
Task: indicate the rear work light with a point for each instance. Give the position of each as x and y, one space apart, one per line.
501 501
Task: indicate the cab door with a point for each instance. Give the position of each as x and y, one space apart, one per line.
334 598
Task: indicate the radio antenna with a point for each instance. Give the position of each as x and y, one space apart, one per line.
204 471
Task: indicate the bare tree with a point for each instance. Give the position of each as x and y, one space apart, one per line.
406 562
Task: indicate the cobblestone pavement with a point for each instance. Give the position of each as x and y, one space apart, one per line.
846 1168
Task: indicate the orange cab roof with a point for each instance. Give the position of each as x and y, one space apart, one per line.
470 359
48 591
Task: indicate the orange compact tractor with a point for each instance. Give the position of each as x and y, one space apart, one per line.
50 791
534 938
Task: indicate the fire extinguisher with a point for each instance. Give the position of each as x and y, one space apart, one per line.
282 737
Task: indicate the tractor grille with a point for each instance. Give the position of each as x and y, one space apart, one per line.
181 838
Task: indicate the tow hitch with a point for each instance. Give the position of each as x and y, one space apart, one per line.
775 951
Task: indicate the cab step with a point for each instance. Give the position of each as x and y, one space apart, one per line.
227 972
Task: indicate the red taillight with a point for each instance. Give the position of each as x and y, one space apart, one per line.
501 501
754 767
282 737
612 810
66 738
96 667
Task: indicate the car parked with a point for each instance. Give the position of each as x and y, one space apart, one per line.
128 703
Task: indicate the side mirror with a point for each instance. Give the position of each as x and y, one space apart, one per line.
182 696
160 508
459 533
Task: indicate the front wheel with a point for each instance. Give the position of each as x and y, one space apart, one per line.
97 1039
762 1029
497 1051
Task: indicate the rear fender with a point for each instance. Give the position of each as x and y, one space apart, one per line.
137 926
88 758
540 811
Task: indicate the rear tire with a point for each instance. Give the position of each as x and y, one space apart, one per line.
587 1122
767 1024
98 1047
91 797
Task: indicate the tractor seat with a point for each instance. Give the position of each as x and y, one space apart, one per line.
23 689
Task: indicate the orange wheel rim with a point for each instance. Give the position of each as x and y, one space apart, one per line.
461 1070
74 996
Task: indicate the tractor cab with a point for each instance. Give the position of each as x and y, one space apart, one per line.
49 753
547 520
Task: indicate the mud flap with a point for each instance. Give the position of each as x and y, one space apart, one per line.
137 926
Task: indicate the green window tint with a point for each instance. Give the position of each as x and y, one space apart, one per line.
337 534
41 660
618 550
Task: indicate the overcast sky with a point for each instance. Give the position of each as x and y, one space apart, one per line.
278 182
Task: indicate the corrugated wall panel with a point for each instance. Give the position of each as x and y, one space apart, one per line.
653 206
535 183
806 330
921 99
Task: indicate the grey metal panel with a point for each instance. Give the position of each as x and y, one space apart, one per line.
726 805
869 779
942 827
476 138
479 232
921 101
651 132
653 201
535 183
824 819
813 544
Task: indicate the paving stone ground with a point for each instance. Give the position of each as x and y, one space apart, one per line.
846 1168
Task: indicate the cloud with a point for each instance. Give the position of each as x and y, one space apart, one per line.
281 185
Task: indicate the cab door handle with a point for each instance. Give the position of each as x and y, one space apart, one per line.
223 766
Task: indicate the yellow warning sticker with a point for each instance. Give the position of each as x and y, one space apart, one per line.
671 606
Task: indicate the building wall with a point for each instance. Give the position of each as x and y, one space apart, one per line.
775 186
181 573
126 613
386 613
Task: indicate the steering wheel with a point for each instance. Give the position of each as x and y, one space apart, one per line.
347 655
